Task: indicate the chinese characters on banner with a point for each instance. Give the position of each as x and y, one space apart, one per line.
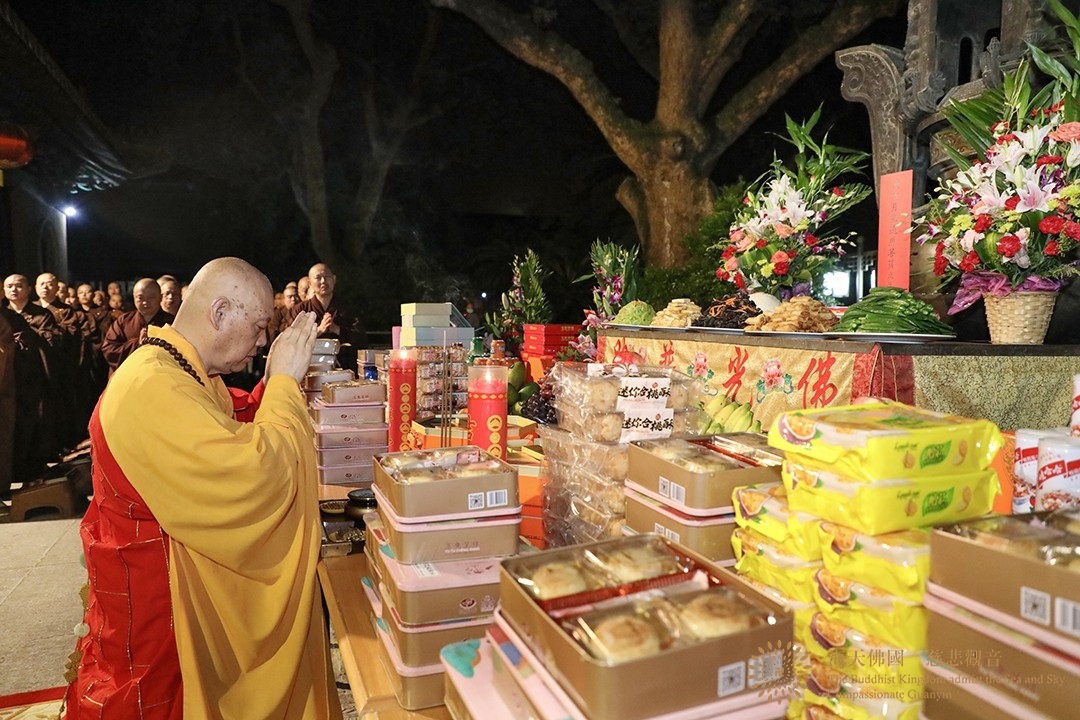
773 380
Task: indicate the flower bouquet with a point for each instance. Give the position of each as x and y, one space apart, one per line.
1009 223
525 302
779 243
615 271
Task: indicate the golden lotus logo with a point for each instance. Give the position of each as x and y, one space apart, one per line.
774 671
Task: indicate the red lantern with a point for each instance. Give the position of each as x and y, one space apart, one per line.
16 146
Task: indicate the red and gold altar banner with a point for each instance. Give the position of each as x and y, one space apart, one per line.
773 380
1013 390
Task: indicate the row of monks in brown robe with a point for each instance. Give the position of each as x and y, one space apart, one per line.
55 359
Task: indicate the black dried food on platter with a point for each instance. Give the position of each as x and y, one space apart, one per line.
730 311
540 409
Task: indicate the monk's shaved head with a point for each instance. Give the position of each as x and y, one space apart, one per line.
146 286
225 315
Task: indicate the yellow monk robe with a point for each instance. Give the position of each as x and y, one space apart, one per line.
238 507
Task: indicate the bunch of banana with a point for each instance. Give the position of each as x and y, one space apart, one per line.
726 416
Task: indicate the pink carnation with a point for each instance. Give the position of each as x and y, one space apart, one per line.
1066 132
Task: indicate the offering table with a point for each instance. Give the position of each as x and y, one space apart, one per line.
1015 386
350 614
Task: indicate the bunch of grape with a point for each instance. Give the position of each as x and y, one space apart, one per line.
541 406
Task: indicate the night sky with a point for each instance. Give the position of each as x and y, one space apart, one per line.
508 160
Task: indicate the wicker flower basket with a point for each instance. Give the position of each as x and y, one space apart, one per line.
1019 318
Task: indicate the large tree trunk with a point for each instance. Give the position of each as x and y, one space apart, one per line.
672 155
667 204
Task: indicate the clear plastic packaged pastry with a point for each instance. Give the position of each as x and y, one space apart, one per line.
607 388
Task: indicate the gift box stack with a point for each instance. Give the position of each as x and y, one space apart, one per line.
438 324
444 519
542 343
601 409
627 629
442 375
349 419
846 532
532 477
1004 602
683 490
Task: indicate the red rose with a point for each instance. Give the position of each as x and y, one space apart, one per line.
970 261
1052 224
939 250
837 192
982 222
722 274
780 268
811 241
1009 245
739 281
1072 230
1048 160
728 252
940 265
1012 202
1007 137
1052 248
760 243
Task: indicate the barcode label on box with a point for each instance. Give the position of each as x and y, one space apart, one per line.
476 501
1034 605
1067 616
671 490
669 534
497 498
731 679
425 570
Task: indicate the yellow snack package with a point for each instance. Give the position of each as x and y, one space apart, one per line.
885 506
862 657
760 560
832 695
871 611
764 509
882 440
897 562
796 709
802 611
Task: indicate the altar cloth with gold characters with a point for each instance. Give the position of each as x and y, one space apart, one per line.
1011 387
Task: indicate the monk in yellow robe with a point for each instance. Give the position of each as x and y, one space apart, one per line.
203 536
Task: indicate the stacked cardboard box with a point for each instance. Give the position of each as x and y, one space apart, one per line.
1004 601
846 532
431 324
349 419
682 490
601 409
548 340
445 517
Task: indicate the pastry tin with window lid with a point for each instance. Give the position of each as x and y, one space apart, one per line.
348 414
344 436
657 678
447 483
432 592
420 542
690 478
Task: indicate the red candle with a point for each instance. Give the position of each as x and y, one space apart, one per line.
401 408
487 408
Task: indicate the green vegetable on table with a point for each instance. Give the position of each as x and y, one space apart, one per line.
892 310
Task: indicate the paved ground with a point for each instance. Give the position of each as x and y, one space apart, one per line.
40 577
